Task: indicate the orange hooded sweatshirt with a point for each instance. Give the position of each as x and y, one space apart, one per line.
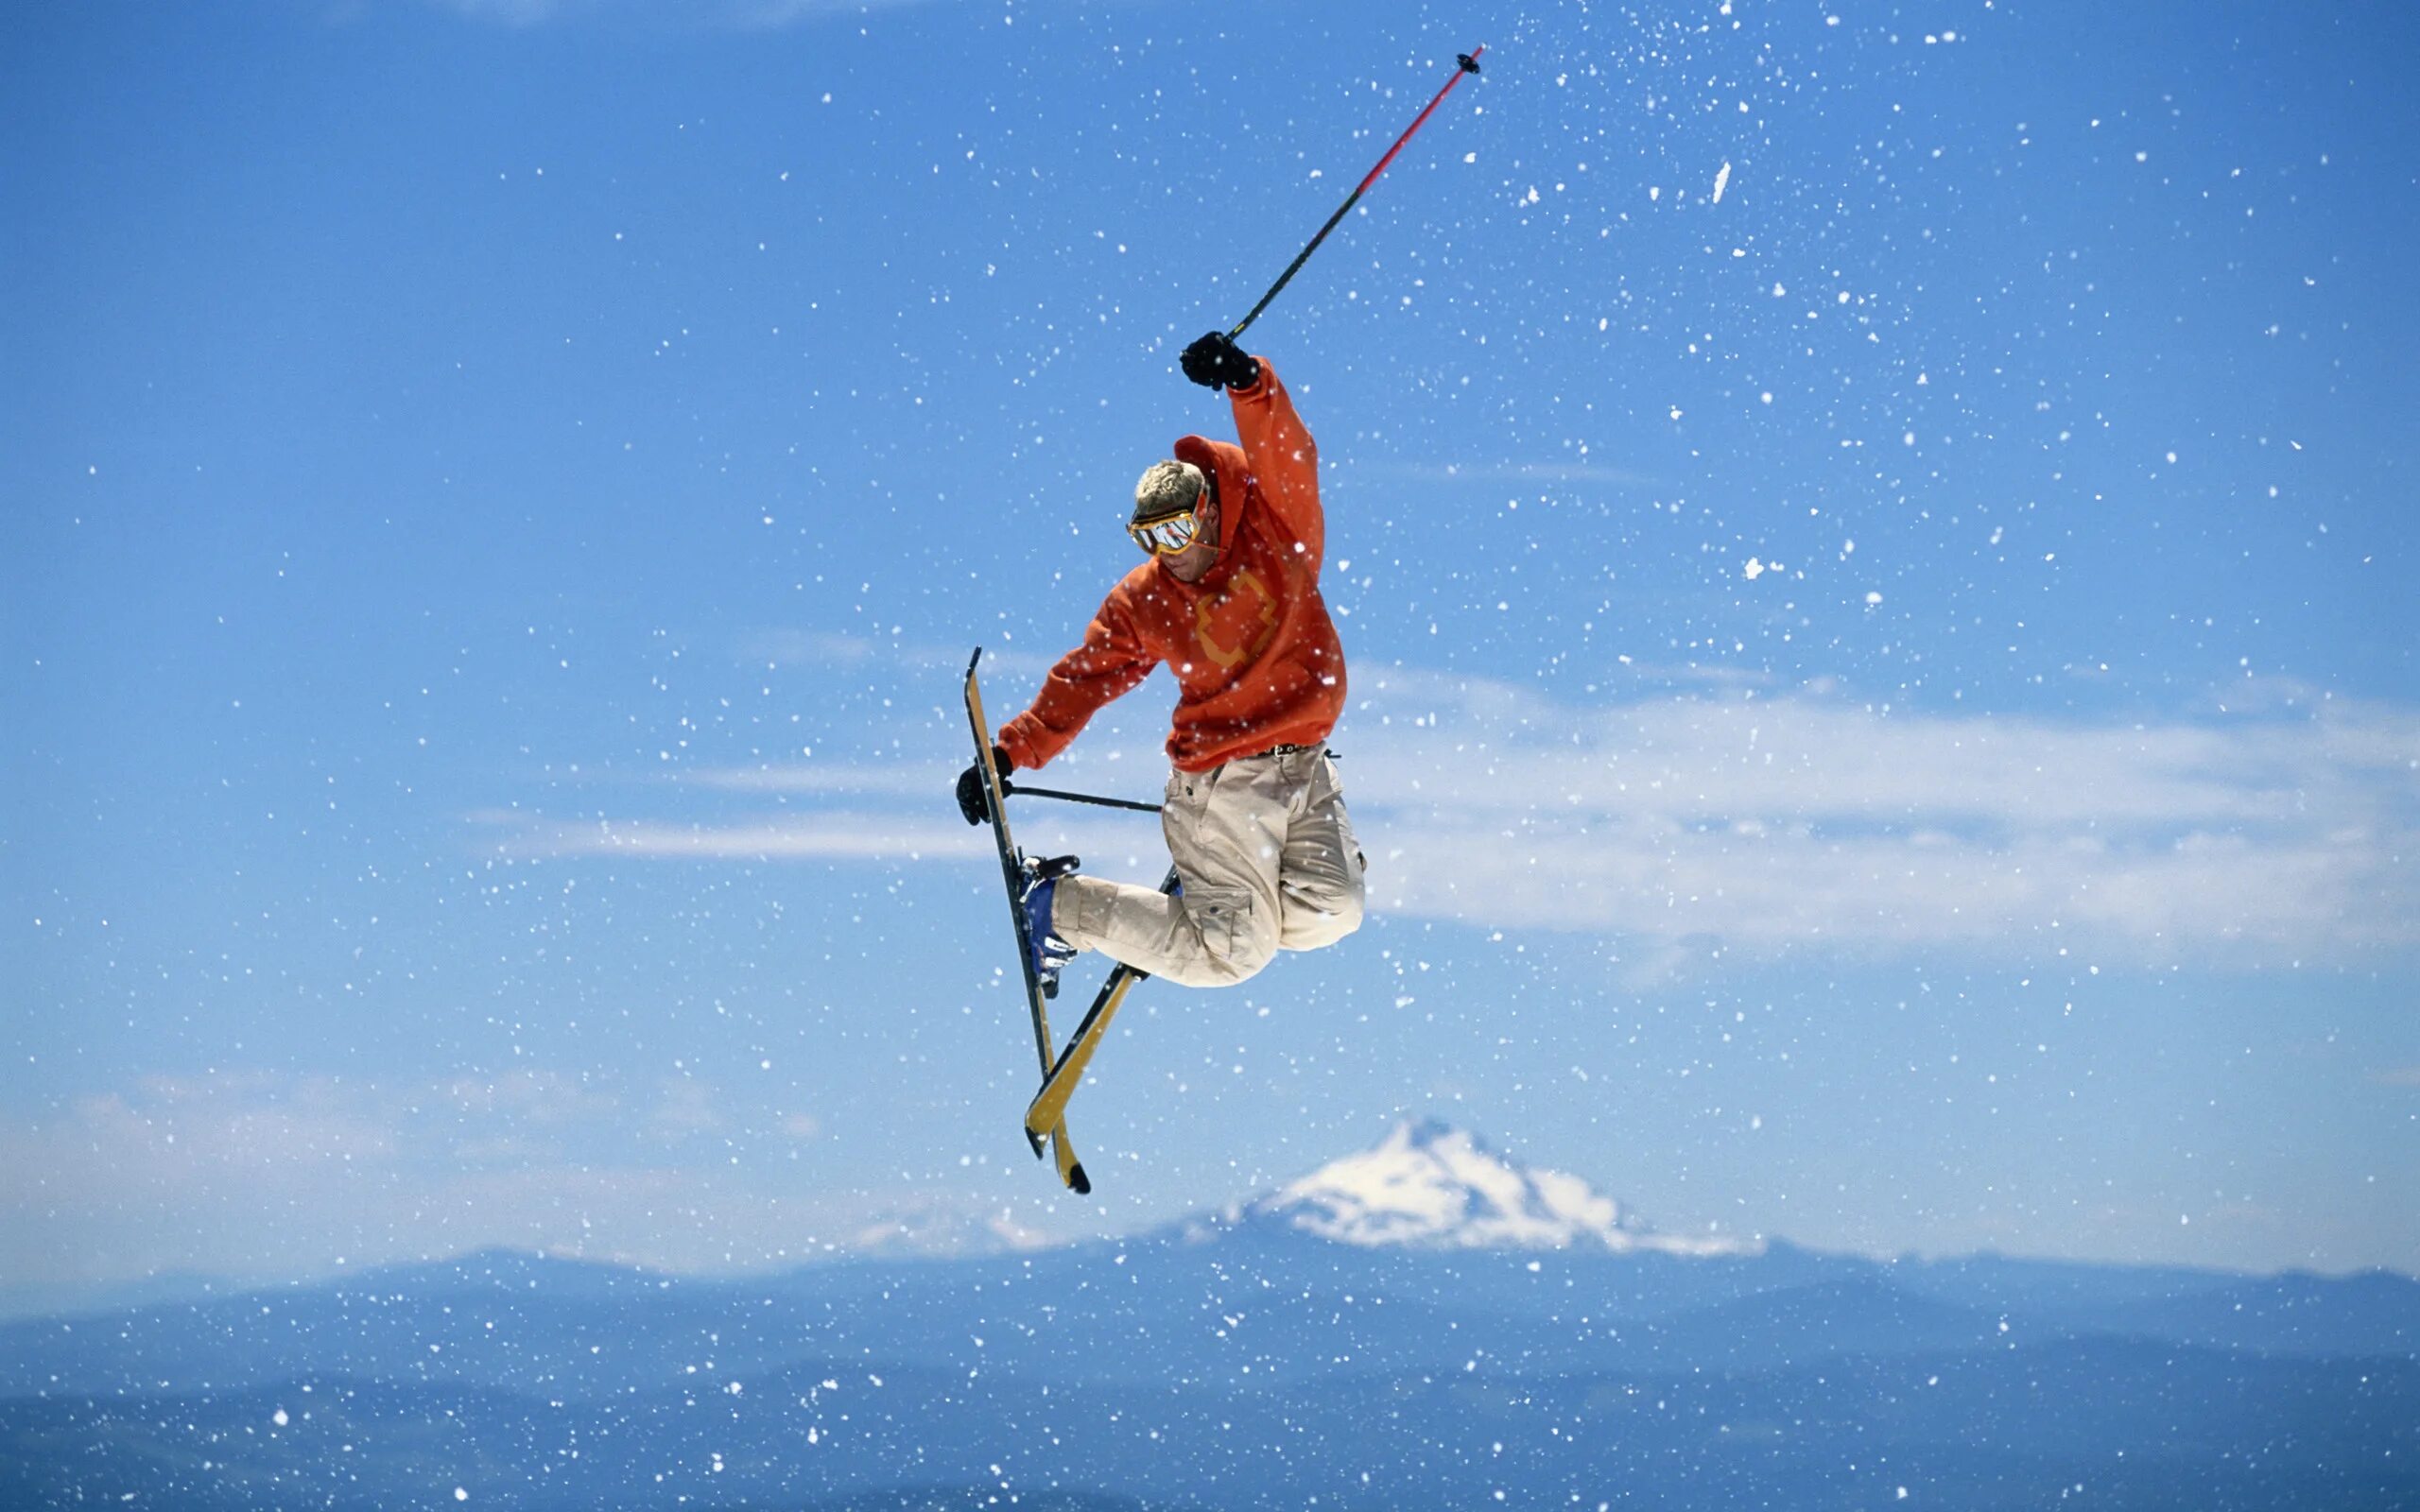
1257 659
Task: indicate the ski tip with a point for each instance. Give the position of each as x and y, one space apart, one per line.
1081 1183
972 659
1034 1139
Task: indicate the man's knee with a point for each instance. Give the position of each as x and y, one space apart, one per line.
1323 906
1348 917
1309 927
1237 938
1225 971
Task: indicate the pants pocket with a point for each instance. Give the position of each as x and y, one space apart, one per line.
1224 920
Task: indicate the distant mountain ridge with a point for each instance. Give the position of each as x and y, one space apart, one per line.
1422 1325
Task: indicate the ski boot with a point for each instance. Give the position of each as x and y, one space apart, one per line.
1050 952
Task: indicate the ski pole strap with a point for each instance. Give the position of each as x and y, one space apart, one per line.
1465 63
1009 788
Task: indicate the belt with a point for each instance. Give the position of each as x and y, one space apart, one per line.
1291 750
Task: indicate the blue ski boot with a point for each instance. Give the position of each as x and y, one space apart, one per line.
1050 952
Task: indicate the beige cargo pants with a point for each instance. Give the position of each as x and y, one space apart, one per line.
1265 853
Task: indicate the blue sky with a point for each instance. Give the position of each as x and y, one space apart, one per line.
1883 714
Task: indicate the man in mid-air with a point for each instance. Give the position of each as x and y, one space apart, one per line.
1228 598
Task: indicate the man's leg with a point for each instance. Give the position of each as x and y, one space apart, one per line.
1226 833
1319 875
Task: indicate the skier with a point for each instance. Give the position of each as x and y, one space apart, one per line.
1229 598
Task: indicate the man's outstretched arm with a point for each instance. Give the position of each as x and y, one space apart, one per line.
1110 663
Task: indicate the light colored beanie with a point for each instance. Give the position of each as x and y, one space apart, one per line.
1165 488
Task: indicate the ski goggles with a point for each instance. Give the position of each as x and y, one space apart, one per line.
1165 538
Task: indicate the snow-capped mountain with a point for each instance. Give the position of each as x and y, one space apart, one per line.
1429 1185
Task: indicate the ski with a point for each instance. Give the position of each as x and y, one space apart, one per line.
1049 1106
1063 1150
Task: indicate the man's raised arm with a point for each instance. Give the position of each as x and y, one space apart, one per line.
1283 457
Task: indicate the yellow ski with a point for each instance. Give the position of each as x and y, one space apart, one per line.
1049 1106
1063 1150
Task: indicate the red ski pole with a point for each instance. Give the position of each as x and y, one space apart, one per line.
1468 63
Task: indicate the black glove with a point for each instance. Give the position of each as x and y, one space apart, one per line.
972 799
1215 361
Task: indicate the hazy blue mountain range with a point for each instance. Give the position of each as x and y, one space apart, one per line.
1345 1339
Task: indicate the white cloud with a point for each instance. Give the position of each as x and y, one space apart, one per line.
917 660
541 1097
256 1175
1678 812
918 781
1767 822
837 837
685 1107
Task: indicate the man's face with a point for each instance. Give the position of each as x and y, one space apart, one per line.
1189 564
